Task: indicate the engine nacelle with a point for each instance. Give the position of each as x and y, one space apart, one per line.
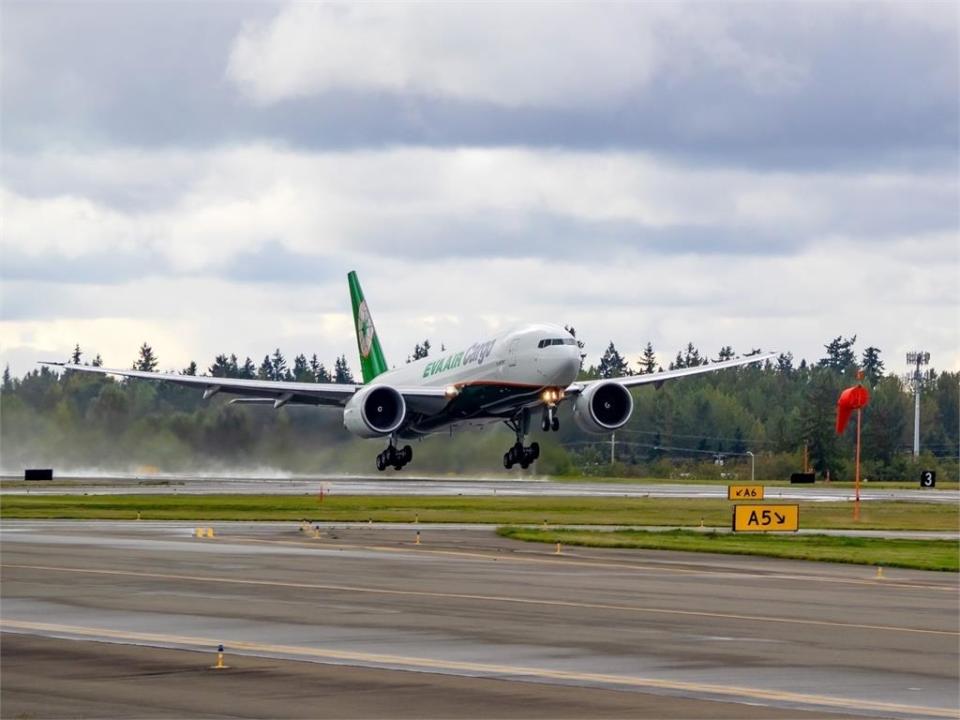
375 411
603 407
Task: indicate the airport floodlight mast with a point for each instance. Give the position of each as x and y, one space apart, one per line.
917 358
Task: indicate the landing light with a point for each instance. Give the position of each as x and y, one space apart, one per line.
552 395
451 391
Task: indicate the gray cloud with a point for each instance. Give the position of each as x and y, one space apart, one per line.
274 263
96 268
879 89
544 235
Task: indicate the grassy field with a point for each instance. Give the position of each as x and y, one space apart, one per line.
496 510
918 554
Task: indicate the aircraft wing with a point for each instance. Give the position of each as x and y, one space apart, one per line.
661 377
277 392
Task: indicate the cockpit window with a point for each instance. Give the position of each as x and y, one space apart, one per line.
546 342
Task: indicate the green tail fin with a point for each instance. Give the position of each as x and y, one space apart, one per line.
372 361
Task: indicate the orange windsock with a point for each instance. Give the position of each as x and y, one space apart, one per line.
853 398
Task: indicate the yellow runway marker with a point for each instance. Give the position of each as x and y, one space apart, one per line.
487 598
331 655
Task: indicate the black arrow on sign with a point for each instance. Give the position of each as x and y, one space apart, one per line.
780 518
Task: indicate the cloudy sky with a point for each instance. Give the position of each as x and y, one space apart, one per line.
202 176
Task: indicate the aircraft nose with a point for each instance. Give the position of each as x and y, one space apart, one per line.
559 367
571 367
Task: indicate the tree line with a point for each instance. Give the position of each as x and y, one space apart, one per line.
779 410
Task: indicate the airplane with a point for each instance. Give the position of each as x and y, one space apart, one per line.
505 378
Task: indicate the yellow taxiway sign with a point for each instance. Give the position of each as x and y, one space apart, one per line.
744 492
766 518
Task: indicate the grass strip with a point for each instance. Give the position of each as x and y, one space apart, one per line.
502 510
916 554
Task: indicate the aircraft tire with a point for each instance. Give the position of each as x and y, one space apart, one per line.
556 424
381 465
507 461
534 451
406 455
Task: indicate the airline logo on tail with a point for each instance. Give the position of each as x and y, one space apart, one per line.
365 329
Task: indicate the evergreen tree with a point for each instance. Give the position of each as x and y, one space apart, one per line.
678 362
75 357
323 375
612 364
692 357
279 364
726 353
420 351
785 363
232 369
7 380
840 355
146 361
220 367
265 371
301 369
315 367
248 371
190 369
341 371
648 361
97 361
872 365
818 420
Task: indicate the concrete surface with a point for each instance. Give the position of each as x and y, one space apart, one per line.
52 678
410 484
468 607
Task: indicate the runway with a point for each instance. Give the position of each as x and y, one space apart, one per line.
480 486
462 617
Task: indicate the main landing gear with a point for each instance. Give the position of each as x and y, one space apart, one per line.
518 454
397 457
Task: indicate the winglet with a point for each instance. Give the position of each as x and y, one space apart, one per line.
372 361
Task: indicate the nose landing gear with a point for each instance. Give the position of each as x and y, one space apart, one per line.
550 421
519 454
393 456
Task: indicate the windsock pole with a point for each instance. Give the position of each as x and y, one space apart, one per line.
856 482
853 398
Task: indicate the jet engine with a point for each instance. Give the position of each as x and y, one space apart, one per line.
603 407
375 411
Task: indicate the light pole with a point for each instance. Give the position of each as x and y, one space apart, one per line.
751 465
917 358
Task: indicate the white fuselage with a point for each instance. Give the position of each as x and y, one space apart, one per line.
519 356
